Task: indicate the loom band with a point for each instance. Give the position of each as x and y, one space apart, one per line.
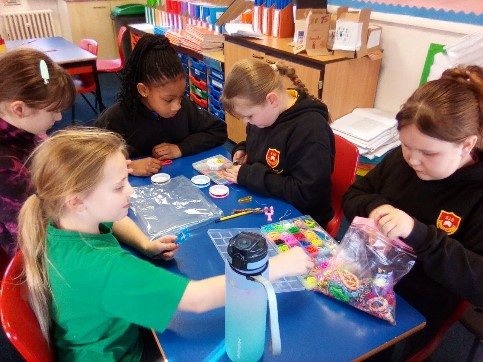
317 242
299 223
310 223
283 248
279 228
293 229
273 235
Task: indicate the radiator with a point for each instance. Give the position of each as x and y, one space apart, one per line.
28 24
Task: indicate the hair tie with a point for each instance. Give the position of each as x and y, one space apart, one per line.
274 67
37 195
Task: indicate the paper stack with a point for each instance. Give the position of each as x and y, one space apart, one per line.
372 130
202 39
175 37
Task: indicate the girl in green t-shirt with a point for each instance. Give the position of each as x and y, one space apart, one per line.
86 291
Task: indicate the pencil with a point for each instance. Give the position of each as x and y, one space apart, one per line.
233 216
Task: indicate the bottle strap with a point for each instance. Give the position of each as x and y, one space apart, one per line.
276 344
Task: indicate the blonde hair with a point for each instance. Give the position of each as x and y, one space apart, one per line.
21 81
70 162
253 79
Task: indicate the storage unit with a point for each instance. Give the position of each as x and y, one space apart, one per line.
123 15
343 84
92 19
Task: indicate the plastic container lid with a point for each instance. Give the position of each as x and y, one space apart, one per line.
128 9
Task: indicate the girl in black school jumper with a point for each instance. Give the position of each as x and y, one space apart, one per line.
152 114
429 192
289 151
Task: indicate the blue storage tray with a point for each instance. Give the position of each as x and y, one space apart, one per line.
217 74
215 92
215 82
198 65
216 112
216 102
198 74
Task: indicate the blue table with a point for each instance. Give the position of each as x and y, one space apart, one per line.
313 327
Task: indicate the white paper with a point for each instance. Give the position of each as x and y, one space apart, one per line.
366 124
347 35
239 29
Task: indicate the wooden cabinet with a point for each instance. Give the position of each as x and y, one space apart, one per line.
92 19
343 84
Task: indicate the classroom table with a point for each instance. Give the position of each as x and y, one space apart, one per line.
313 327
71 57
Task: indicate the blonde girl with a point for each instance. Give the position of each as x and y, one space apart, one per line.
90 295
289 150
30 103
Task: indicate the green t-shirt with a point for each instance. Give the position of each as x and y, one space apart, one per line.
101 294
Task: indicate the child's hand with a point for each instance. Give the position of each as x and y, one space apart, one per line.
240 157
231 174
145 166
129 167
163 248
394 223
293 262
166 151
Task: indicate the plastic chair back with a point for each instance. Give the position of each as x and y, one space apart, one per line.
120 36
18 319
344 175
117 64
429 348
90 45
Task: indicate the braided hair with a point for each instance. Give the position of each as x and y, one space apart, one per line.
253 79
153 62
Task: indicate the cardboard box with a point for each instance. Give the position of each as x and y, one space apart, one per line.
351 30
311 31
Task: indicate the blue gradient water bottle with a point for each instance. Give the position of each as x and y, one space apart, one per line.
247 287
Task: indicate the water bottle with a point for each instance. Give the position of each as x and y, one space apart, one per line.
247 292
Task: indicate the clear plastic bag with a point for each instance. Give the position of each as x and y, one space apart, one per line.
172 207
365 268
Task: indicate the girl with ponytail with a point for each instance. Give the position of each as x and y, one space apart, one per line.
93 298
289 151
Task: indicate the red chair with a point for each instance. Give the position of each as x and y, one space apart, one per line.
113 65
429 348
18 319
84 78
344 175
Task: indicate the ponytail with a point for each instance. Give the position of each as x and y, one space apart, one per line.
31 239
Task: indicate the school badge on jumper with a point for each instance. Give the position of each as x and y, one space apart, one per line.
272 157
448 221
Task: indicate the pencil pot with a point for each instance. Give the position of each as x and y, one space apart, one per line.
247 292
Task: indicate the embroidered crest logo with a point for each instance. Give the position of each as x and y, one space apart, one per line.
272 157
448 221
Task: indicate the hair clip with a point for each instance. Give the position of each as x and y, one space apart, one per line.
274 66
44 71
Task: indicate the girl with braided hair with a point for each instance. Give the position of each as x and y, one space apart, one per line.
289 150
429 192
152 114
